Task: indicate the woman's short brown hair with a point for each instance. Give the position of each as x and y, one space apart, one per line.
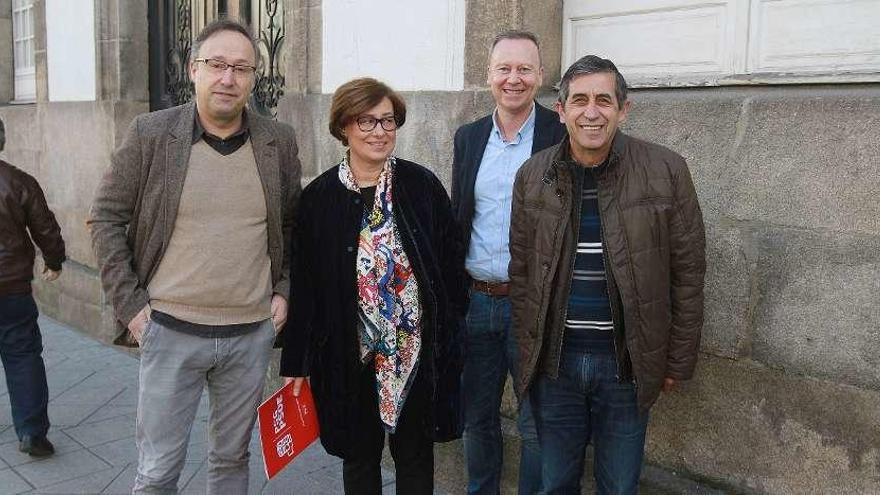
358 96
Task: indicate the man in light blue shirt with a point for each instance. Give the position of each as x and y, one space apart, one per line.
488 153
488 256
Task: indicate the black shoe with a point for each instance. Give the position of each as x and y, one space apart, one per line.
36 446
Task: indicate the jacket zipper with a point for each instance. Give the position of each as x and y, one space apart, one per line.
546 268
611 300
576 227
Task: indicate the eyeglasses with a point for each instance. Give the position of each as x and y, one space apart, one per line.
367 123
523 71
218 66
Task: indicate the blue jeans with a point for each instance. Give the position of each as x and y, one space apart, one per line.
490 353
21 346
588 404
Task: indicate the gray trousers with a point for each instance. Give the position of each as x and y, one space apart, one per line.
174 369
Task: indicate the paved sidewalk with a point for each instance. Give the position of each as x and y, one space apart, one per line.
92 407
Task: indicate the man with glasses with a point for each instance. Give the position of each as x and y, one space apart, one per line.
191 224
488 153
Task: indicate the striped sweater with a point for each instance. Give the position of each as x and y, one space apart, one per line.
588 316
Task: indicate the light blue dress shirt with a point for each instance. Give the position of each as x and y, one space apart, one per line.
489 251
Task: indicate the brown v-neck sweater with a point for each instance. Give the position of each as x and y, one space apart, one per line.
216 268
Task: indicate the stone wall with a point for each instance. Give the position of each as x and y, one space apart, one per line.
787 397
6 75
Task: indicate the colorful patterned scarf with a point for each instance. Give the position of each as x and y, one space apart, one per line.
388 296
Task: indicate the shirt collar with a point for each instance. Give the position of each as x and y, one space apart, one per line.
527 127
199 131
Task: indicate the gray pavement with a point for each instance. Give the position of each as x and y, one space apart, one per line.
92 408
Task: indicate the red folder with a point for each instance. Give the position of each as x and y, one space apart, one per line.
288 425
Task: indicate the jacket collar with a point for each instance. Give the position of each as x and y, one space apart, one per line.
528 126
545 120
618 145
258 126
562 154
199 131
185 121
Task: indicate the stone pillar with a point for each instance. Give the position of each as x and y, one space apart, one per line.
122 62
302 46
122 50
486 19
6 75
40 62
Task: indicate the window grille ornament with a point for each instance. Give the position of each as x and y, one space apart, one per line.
179 85
269 86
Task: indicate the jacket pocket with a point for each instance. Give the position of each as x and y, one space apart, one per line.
650 200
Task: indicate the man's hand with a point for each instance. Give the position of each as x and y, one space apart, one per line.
50 275
137 325
297 383
668 384
279 312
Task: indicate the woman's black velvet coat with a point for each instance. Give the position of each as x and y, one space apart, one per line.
320 339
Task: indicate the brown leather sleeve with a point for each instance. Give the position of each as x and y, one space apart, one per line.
42 225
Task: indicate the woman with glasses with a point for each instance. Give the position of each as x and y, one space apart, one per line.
378 293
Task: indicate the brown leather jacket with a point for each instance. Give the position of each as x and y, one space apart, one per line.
654 248
23 209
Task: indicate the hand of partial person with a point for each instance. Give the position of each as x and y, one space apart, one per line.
279 312
297 383
50 275
137 324
668 384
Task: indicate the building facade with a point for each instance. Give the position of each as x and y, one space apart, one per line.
774 103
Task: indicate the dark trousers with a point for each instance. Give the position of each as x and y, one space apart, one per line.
491 354
587 403
411 446
20 349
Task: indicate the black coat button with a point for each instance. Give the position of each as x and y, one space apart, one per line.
350 249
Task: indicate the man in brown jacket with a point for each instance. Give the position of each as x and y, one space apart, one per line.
191 224
23 211
607 265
